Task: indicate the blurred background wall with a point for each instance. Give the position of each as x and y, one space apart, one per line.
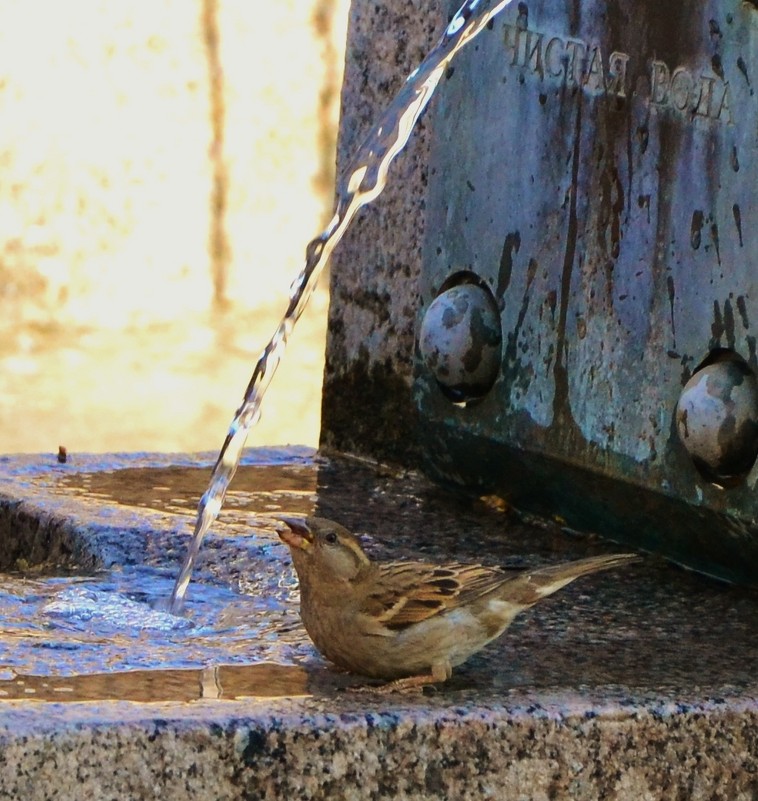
163 164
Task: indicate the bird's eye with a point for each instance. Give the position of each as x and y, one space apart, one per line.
330 537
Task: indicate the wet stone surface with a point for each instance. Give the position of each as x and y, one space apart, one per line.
648 656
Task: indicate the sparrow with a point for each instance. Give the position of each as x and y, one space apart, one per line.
409 622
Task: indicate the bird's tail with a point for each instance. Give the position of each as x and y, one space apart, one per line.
543 581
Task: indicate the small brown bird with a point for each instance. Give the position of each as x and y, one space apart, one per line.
409 621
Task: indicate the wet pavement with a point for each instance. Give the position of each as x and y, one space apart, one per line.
81 626
637 627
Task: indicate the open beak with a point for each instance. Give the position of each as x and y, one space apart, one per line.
297 534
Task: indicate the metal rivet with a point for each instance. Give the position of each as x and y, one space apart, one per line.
717 418
460 341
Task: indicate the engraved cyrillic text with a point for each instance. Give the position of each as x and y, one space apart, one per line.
697 94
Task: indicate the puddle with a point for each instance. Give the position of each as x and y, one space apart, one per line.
102 636
259 492
68 626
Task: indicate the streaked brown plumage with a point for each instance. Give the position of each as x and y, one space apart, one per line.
409 620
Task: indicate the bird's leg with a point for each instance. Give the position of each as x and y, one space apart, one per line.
404 685
410 683
440 672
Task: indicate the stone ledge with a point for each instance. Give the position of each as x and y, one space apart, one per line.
640 684
537 745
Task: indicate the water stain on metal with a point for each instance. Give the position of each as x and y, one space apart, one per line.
716 241
742 66
512 364
511 245
672 298
738 221
717 326
696 229
643 201
729 328
562 414
717 66
723 327
611 204
643 134
742 309
523 16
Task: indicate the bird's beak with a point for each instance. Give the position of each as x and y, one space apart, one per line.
297 534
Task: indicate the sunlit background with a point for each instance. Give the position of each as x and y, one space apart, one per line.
163 164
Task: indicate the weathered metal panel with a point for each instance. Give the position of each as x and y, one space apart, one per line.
595 164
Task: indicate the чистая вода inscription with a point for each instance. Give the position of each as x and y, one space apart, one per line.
579 63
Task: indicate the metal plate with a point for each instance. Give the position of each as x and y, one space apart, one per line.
596 165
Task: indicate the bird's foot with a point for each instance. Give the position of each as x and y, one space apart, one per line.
409 684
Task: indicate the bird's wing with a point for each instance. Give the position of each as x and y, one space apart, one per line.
405 593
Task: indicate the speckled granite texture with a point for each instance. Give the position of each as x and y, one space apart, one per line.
357 749
640 684
374 286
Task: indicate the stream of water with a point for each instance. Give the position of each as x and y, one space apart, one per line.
361 183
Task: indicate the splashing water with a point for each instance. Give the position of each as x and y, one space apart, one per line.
79 625
362 182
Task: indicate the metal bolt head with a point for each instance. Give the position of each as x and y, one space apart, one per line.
717 418
460 341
